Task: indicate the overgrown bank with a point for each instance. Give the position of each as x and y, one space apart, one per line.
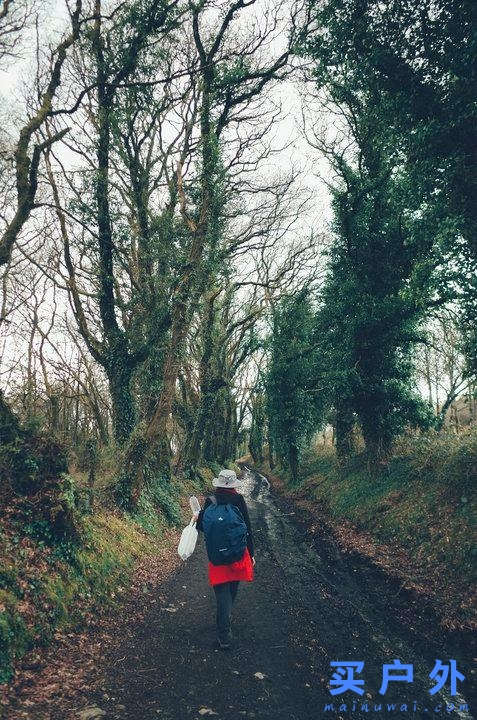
413 515
49 585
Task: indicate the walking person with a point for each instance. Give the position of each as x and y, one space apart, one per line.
225 522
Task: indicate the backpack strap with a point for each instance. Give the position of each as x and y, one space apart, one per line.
213 499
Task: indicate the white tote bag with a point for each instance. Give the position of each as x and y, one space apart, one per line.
187 541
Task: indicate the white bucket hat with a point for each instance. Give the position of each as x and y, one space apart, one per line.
226 479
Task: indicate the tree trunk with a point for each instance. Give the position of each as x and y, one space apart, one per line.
428 376
152 441
377 432
206 402
123 407
293 462
216 425
229 438
377 446
197 435
9 425
54 401
191 285
441 416
271 453
345 443
101 422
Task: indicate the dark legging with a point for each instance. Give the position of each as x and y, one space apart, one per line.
225 594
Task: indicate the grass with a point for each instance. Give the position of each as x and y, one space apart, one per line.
422 500
44 588
47 585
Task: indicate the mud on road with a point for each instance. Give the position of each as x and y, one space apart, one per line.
309 605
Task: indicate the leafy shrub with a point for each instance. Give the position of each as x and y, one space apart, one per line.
32 460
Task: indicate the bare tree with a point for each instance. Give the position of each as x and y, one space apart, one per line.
230 90
117 339
28 150
443 366
15 17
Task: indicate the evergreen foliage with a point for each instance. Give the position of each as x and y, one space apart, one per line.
294 401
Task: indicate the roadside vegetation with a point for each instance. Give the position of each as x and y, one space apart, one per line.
412 515
47 586
53 581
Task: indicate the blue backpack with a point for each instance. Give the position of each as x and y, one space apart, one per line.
225 533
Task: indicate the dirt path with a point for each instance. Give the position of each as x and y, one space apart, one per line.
308 606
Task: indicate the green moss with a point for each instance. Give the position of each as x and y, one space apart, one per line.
9 578
15 638
61 594
214 467
68 578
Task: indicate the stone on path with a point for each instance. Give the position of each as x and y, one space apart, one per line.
91 713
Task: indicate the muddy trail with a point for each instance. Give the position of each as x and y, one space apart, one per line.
309 605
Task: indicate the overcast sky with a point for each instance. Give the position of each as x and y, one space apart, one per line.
16 82
288 133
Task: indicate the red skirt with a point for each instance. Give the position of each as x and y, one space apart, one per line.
239 570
